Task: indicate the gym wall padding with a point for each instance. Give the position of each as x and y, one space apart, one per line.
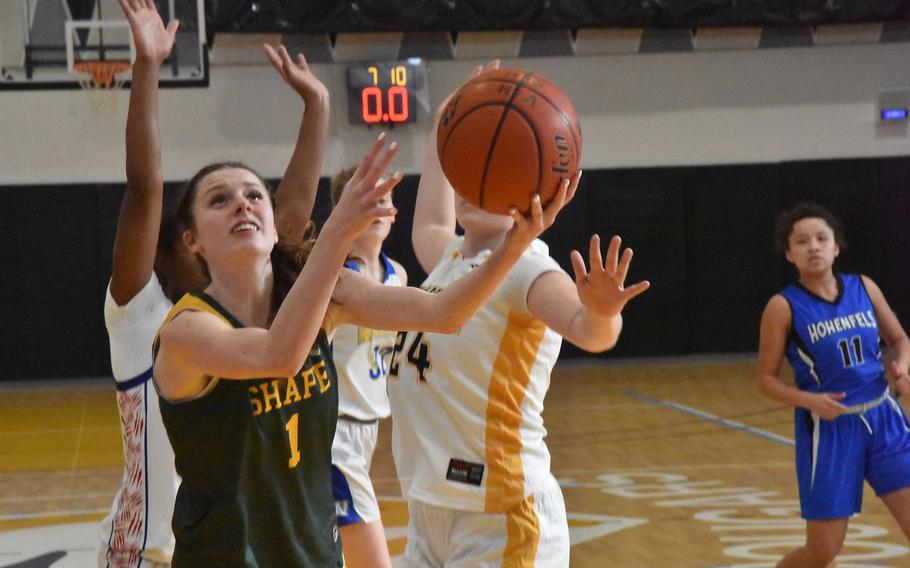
701 235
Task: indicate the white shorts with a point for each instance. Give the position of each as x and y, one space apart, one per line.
533 533
352 453
125 561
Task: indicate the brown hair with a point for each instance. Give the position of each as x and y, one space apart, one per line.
783 225
288 258
168 240
338 182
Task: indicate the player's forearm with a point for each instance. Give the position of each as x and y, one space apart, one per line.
143 146
901 353
296 193
592 332
298 320
777 390
455 305
434 210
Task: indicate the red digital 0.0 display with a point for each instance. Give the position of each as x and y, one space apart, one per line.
385 92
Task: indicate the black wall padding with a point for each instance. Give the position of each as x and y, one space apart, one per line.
701 235
52 289
647 209
331 16
732 268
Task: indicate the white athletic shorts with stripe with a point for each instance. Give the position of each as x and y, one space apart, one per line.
533 533
138 563
352 453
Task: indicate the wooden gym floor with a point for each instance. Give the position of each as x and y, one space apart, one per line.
664 464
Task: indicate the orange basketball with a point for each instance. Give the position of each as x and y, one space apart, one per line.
506 135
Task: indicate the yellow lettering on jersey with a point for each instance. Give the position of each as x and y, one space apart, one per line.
269 395
254 400
309 380
291 394
324 382
291 427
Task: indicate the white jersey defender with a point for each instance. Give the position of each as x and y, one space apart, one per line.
137 531
361 358
468 432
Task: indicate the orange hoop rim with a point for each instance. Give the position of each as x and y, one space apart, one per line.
102 73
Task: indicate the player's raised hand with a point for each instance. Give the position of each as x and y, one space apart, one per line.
528 227
152 39
603 290
297 73
359 204
478 70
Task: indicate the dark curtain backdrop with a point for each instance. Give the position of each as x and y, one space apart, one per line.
701 235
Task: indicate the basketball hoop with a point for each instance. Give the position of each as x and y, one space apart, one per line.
101 74
99 79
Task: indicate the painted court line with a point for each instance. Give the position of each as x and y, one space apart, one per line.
732 424
53 514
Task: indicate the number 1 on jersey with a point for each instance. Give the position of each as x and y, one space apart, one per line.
291 427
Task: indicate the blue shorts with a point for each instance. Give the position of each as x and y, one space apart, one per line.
833 457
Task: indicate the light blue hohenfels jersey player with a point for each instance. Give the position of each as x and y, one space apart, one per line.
834 346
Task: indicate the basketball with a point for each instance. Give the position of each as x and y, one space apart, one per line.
506 135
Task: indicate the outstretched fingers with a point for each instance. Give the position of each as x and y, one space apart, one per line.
368 160
573 187
286 62
131 8
557 203
595 259
379 164
538 220
578 266
636 289
171 28
282 62
381 189
616 268
273 57
481 69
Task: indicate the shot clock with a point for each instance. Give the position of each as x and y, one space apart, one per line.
387 92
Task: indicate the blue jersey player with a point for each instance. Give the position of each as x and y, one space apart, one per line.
848 425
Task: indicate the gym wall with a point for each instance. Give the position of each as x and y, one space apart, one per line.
688 156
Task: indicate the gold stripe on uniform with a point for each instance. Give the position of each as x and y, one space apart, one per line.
511 374
523 528
187 303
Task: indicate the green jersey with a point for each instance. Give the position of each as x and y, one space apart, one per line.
255 461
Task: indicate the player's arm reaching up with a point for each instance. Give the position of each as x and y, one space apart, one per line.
587 312
296 193
140 216
434 212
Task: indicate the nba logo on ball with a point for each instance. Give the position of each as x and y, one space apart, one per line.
506 135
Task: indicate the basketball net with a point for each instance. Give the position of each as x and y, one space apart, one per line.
100 82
